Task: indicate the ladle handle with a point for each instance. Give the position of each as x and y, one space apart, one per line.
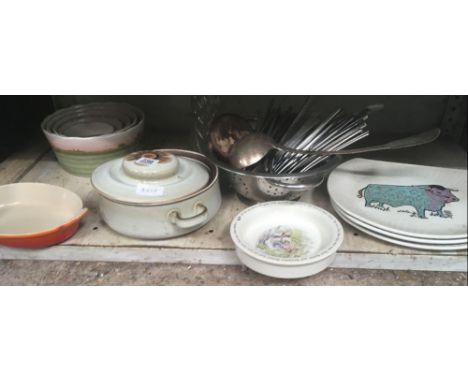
414 140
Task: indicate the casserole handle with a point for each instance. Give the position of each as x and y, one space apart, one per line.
191 221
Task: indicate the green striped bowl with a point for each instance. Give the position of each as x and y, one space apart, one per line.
83 164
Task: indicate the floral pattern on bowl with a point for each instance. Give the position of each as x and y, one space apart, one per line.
284 241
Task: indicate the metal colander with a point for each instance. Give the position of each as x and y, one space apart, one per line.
255 186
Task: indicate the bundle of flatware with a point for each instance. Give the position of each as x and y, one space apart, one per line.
307 132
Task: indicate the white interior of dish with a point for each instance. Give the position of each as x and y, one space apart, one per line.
318 226
27 208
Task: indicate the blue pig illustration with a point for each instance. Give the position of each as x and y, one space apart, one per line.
423 198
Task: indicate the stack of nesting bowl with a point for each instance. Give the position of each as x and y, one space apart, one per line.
85 136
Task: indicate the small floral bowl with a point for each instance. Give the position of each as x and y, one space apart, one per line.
286 239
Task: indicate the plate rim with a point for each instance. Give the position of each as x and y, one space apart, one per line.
408 238
406 244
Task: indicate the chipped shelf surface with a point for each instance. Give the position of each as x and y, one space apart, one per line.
212 244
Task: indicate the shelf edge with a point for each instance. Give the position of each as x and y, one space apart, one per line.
434 262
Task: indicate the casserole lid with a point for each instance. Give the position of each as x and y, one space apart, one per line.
150 177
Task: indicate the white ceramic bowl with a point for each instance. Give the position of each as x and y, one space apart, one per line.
286 239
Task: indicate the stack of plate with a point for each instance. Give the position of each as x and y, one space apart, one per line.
414 206
85 136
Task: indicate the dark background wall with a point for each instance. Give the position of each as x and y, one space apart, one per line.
21 115
401 114
20 118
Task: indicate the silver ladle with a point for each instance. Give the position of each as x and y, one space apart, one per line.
252 148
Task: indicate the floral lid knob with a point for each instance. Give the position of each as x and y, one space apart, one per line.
150 164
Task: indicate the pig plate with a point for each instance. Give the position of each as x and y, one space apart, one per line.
410 200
